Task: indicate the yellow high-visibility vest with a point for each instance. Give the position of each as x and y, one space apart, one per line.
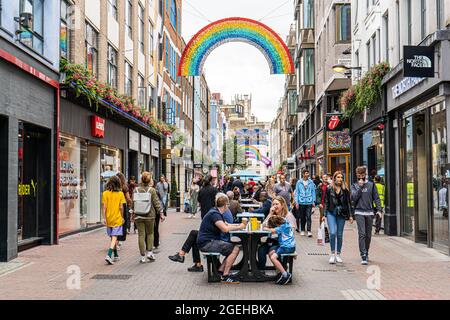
410 195
381 193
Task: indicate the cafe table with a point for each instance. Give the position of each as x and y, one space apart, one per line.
249 215
249 271
248 206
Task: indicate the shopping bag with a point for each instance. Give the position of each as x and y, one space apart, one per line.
321 234
327 235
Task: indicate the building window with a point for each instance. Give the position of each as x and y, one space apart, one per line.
91 49
343 20
369 52
112 66
386 36
129 18
141 29
34 37
409 20
151 40
128 79
167 53
308 67
112 8
440 14
423 18
64 35
308 14
173 14
141 92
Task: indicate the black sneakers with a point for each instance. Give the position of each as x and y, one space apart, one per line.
177 258
230 280
285 280
195 268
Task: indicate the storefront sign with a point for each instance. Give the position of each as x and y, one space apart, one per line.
404 86
336 122
97 127
145 145
26 189
198 166
155 148
133 143
418 61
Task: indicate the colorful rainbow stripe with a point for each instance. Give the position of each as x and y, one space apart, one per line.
253 151
236 30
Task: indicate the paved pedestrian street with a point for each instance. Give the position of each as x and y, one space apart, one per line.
407 271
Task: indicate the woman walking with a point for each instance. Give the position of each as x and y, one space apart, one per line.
113 202
146 205
337 210
193 201
127 207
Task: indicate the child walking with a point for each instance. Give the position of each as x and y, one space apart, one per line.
113 201
282 227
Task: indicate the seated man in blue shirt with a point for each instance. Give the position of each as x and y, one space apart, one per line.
209 237
267 204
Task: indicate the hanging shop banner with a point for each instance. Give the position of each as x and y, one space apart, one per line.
336 122
418 61
339 141
155 148
133 143
145 145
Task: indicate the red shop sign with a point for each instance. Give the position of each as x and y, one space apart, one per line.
312 150
97 127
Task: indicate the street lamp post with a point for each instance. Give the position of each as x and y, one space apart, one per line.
347 71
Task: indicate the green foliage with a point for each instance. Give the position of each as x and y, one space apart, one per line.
366 93
173 189
95 91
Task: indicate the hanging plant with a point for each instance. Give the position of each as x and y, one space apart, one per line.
366 93
95 91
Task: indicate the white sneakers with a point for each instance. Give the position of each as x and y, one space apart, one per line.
151 256
302 233
143 259
309 234
190 216
335 259
332 259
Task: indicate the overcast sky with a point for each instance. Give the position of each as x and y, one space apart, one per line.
239 68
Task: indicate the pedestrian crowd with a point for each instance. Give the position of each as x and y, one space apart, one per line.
287 207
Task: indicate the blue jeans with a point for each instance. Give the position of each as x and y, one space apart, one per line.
336 229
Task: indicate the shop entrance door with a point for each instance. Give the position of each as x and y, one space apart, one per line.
34 175
416 184
340 162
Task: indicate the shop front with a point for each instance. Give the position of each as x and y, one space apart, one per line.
28 111
417 130
337 146
93 147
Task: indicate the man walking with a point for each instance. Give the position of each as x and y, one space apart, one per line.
284 190
364 195
305 197
162 188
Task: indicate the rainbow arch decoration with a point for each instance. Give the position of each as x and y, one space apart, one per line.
236 29
254 153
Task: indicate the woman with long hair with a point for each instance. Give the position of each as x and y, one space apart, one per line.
279 208
269 187
193 197
337 210
145 221
128 206
295 211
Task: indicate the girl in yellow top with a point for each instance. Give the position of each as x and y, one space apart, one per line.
113 201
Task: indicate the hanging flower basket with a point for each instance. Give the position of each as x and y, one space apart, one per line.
95 91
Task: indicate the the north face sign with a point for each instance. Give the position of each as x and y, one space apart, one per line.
418 62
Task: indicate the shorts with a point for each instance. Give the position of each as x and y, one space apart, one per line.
282 250
224 248
116 231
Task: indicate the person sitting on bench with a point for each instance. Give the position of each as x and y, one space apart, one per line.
279 225
210 236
